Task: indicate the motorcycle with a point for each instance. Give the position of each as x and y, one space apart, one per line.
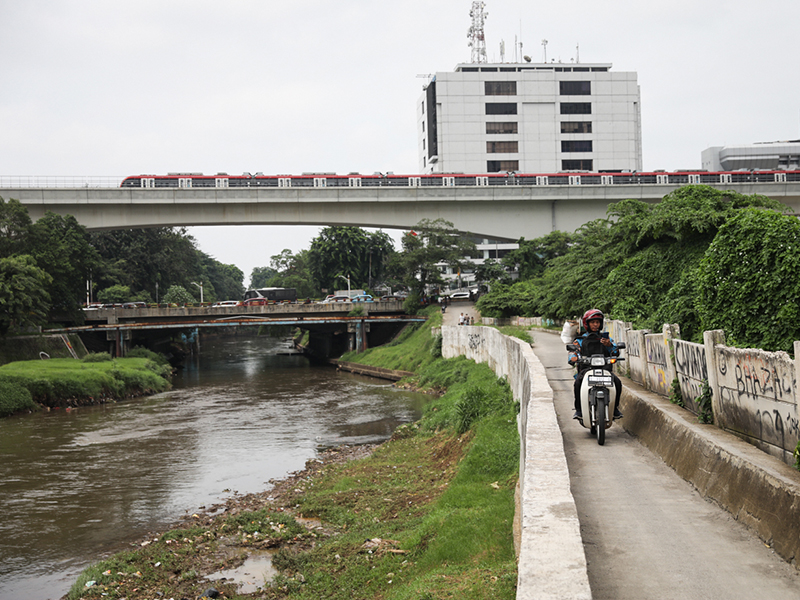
598 393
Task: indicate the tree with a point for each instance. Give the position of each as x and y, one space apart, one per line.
223 282
532 256
61 247
430 245
177 294
142 258
14 227
348 251
115 294
24 300
490 271
749 280
261 275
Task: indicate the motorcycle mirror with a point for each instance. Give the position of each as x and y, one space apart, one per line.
572 347
621 345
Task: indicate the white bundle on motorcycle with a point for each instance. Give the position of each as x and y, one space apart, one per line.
569 332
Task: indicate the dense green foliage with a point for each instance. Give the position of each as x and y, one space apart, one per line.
749 280
702 258
177 294
341 252
45 267
14 397
429 245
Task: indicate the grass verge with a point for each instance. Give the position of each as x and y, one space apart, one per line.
95 378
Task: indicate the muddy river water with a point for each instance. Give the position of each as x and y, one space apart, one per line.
75 485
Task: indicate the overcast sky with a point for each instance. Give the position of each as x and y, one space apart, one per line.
115 88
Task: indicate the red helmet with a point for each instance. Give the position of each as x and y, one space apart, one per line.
591 315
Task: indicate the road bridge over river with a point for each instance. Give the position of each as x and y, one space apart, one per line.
331 326
497 212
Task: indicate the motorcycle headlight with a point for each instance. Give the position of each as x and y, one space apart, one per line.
598 361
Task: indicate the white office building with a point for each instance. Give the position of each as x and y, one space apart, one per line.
769 156
530 118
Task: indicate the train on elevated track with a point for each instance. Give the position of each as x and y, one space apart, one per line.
354 180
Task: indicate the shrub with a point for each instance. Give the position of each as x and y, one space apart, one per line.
14 398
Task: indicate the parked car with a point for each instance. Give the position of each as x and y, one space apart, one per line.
460 296
337 298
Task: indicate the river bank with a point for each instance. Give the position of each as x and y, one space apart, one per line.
69 382
427 514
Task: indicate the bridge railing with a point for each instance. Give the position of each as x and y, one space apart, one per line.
59 181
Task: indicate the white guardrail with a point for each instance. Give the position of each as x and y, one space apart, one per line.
59 181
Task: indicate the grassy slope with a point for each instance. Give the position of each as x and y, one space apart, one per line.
56 381
427 516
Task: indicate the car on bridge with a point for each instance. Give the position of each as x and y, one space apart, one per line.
226 303
336 298
362 298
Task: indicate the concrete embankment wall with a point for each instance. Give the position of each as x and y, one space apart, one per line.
29 347
552 563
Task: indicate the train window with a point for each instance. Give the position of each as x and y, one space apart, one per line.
221 182
574 179
448 181
148 182
184 182
414 181
320 182
541 180
284 182
354 181
482 181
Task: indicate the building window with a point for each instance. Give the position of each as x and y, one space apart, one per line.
501 108
576 165
500 147
500 88
576 108
576 127
576 145
496 166
575 88
501 127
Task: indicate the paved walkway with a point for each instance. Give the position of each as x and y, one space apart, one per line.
647 533
455 309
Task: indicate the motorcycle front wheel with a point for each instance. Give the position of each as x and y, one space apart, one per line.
601 425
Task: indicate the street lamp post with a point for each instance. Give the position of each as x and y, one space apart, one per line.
348 284
200 285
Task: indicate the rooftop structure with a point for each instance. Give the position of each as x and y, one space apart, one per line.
765 155
530 117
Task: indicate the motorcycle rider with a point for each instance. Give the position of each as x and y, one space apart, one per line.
594 341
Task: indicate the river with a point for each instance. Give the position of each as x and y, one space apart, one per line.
79 484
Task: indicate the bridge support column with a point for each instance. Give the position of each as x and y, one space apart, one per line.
357 333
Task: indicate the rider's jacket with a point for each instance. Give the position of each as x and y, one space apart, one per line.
589 344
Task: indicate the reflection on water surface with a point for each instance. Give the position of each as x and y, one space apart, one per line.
80 483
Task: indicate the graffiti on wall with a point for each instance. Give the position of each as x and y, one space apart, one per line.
757 395
474 340
690 360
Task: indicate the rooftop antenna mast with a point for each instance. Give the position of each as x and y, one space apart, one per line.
477 39
544 45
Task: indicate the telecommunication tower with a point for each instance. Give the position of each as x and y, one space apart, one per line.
477 40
